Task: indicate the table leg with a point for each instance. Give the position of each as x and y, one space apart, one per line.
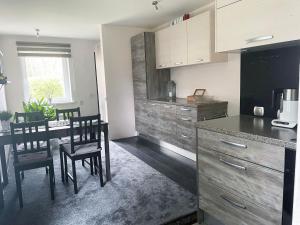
3 164
107 157
1 194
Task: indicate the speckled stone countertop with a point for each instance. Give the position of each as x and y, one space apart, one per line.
183 101
252 128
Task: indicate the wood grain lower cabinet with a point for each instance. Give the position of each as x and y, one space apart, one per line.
171 123
240 181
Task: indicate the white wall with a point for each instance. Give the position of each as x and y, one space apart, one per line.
222 81
82 72
117 67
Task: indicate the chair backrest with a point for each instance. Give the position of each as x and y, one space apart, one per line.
88 128
28 117
66 114
31 135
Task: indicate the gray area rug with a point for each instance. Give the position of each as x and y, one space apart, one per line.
137 194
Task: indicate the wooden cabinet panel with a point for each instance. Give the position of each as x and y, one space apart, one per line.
140 89
251 23
256 183
178 44
163 48
263 154
199 38
234 210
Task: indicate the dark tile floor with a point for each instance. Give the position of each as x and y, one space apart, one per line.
178 168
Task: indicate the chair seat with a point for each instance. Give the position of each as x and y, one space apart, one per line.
32 158
80 150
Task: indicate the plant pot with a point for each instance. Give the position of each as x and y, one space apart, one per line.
5 125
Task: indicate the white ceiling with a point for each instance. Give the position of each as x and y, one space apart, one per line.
80 18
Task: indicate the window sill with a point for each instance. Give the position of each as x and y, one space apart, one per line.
64 103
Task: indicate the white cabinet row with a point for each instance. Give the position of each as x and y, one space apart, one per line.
189 42
249 23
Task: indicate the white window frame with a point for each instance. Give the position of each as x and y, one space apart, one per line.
67 82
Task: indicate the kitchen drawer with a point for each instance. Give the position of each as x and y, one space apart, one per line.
169 137
185 111
140 89
263 154
168 109
233 210
256 183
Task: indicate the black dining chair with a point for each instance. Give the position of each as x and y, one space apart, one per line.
34 155
66 114
28 117
25 117
87 146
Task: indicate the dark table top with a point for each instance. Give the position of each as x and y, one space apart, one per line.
253 128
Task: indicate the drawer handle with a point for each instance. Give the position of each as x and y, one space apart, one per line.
234 144
185 119
260 38
233 203
178 63
184 136
232 164
185 109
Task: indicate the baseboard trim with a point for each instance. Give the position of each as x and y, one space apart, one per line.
170 147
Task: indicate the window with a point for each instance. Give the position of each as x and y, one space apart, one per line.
47 77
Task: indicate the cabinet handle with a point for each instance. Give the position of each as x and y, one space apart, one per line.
233 203
186 119
185 109
232 164
162 65
179 63
167 106
184 136
199 60
260 38
234 144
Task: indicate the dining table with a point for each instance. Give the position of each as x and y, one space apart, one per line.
57 129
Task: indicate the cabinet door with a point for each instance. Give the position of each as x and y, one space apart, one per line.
198 31
162 46
251 23
178 41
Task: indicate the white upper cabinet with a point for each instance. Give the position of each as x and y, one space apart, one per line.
163 50
199 38
189 42
179 44
250 23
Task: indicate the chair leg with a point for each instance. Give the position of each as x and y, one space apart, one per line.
96 165
62 166
74 177
92 166
82 162
19 188
51 173
100 170
47 170
66 168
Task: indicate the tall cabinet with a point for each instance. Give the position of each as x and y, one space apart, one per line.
148 82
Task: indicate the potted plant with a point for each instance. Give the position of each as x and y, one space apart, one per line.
5 117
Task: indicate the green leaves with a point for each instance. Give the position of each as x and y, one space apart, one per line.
5 115
40 105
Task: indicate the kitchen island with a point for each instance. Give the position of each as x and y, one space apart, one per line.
246 170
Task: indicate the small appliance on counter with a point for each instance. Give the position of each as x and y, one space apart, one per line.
287 113
171 86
